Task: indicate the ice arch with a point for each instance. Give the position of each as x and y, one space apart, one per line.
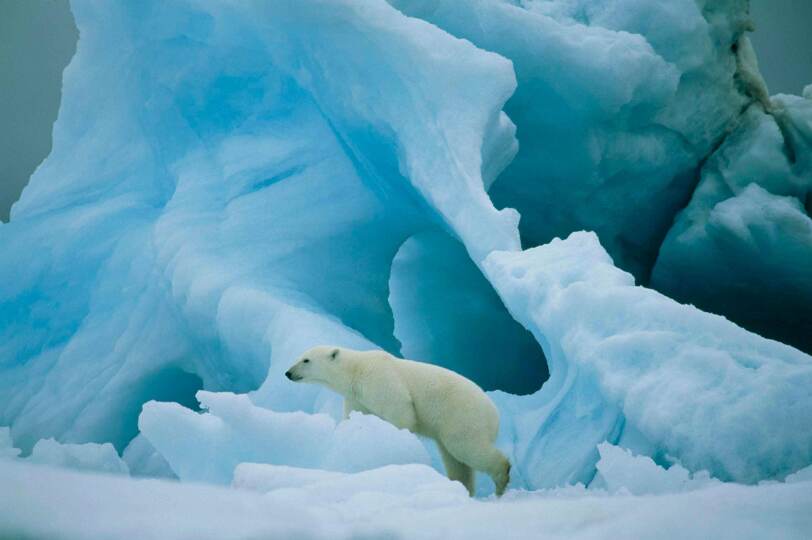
447 313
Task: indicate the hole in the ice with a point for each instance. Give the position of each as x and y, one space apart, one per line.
448 314
168 384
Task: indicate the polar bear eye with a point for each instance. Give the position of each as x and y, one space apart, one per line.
306 360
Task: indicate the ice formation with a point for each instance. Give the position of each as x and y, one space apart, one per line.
208 447
628 364
88 456
232 183
744 245
621 472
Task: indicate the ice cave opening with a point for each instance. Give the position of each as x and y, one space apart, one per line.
448 314
169 384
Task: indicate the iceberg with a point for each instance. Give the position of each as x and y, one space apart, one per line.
618 102
233 183
222 204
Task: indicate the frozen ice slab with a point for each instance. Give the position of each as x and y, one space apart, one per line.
208 446
631 365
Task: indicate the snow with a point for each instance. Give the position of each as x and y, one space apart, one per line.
804 475
621 471
87 456
43 502
207 447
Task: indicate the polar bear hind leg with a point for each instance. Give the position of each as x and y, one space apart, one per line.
482 456
456 470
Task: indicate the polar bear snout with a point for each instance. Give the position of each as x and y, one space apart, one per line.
292 376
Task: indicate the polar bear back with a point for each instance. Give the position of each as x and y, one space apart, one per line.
445 401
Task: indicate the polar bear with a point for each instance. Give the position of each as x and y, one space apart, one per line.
425 399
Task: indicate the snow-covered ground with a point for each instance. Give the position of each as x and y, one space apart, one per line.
41 502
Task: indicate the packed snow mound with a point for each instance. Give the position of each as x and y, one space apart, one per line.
804 475
743 247
84 457
393 484
88 456
690 384
621 471
207 447
123 508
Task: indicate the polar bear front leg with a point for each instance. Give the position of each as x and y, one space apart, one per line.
350 404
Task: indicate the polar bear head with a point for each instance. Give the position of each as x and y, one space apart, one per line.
317 365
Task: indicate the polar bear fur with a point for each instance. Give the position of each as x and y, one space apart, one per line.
425 399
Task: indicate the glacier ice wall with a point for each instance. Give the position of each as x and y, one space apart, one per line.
232 183
626 110
215 203
743 246
617 104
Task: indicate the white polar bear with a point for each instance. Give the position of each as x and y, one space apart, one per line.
425 399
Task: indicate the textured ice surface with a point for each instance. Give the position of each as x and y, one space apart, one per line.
620 471
207 447
232 183
628 364
43 503
215 203
743 247
618 102
143 460
620 108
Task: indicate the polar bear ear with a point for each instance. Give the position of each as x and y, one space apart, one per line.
334 354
